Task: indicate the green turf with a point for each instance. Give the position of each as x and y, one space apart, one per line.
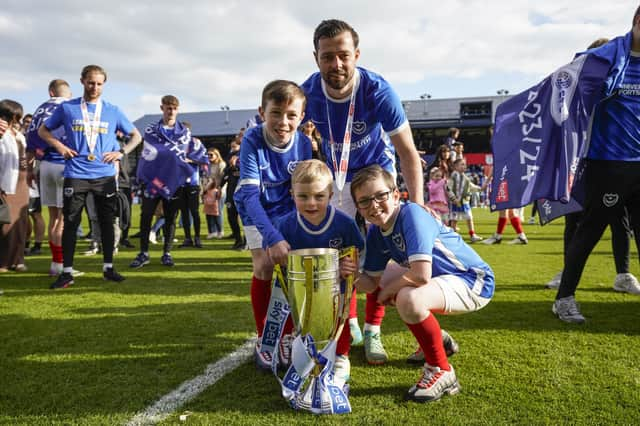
99 352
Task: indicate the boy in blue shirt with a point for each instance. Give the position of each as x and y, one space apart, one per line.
435 271
269 154
316 224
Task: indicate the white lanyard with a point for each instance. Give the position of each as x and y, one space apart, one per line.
91 128
340 170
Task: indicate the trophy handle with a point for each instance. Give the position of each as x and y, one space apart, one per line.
307 263
352 252
282 278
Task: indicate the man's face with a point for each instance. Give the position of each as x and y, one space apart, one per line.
93 84
281 121
169 112
26 122
336 58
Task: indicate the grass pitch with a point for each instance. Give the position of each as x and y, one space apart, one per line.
99 352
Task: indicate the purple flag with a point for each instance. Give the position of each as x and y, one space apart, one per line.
540 133
163 165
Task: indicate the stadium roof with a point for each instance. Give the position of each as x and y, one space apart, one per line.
422 113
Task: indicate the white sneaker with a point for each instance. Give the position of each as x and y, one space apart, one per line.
153 238
532 220
554 283
434 384
520 239
341 370
494 239
626 283
220 235
211 235
262 359
567 309
475 238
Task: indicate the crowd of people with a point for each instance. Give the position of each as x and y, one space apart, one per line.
303 175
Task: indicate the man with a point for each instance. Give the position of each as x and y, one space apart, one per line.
164 171
346 102
51 178
612 166
90 150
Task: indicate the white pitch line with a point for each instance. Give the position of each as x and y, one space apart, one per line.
188 390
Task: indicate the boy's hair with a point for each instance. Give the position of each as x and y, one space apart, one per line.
56 84
635 15
187 124
371 173
599 42
331 28
10 111
170 100
93 68
458 161
452 131
282 92
310 171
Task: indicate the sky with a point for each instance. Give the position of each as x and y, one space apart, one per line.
221 53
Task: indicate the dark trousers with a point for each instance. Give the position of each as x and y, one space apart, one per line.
75 192
214 224
124 226
170 207
189 207
612 189
232 218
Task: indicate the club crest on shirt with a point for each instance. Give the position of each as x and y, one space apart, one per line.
359 127
335 243
398 241
68 191
292 166
610 200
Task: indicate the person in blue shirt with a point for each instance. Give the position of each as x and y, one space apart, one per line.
51 178
90 149
316 224
612 168
433 271
362 122
269 154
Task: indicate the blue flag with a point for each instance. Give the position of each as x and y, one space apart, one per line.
164 165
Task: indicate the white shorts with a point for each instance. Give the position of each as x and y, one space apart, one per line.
253 236
458 297
51 182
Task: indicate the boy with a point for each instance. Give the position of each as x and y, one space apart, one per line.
316 224
268 157
462 187
435 271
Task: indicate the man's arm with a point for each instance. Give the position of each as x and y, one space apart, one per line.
134 140
409 163
48 137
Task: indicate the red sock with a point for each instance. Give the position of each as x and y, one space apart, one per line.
471 233
344 341
429 336
288 326
260 295
517 224
374 312
353 306
502 223
56 253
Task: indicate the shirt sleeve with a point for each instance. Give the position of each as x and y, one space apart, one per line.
377 256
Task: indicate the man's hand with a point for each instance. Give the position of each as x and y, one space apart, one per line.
110 157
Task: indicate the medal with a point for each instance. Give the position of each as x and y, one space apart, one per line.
91 128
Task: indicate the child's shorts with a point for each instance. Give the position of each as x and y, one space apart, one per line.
463 212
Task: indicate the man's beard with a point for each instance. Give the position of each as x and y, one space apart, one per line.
337 84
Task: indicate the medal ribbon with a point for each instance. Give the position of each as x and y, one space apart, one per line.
91 128
340 170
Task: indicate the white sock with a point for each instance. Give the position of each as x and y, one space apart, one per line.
67 269
375 329
107 266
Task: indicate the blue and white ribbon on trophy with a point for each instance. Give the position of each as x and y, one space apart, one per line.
321 395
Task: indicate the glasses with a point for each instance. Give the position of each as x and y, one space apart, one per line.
380 197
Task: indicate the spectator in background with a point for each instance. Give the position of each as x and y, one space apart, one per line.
190 204
230 179
310 131
458 151
452 137
13 188
216 172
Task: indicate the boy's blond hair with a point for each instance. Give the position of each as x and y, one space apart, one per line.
310 171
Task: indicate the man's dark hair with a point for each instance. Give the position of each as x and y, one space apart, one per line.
635 15
331 28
